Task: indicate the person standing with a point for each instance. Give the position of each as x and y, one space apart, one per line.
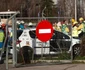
81 28
64 28
74 30
2 37
27 53
21 26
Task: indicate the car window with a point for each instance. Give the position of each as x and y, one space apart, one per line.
59 35
32 33
56 35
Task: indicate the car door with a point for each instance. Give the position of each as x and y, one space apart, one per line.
59 41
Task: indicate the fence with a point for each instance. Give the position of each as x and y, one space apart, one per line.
58 48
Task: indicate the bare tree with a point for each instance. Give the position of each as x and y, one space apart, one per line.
66 7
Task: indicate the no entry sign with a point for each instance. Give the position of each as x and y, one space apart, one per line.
44 30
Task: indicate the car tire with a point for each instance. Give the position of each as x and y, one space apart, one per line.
76 50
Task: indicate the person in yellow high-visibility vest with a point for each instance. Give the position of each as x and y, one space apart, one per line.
2 37
81 27
74 30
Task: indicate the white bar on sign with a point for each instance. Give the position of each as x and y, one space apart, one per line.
44 31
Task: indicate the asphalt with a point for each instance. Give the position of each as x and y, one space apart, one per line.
45 67
53 67
2 67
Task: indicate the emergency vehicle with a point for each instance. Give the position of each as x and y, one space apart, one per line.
57 43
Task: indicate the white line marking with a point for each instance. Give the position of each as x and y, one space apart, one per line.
43 31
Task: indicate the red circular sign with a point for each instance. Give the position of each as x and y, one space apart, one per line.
44 30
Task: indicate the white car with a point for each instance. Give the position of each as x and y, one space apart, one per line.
57 43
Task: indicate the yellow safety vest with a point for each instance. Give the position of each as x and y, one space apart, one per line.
74 32
11 34
2 36
80 27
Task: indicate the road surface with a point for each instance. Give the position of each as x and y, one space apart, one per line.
49 67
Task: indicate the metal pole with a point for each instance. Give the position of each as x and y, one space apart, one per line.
58 15
42 50
43 12
21 10
75 9
14 42
7 67
71 45
42 42
0 19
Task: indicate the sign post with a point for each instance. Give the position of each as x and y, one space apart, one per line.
44 32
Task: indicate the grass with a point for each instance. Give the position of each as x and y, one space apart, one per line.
64 56
61 56
79 58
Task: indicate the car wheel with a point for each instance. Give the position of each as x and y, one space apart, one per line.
76 50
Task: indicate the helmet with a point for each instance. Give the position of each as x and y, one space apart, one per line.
80 19
75 22
22 22
59 24
18 22
72 20
30 23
